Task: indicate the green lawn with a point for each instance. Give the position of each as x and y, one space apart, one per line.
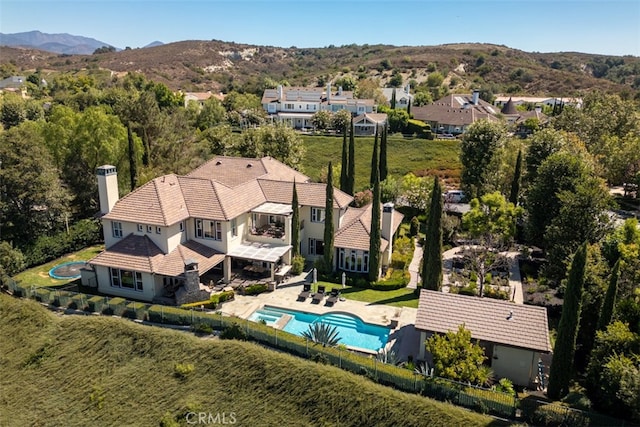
39 276
398 298
420 156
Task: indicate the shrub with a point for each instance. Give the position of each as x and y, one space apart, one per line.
256 289
415 227
233 332
398 280
297 264
421 129
46 248
202 328
182 370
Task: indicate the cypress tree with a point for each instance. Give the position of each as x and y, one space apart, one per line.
344 167
564 350
133 166
295 223
351 170
383 154
393 99
409 108
375 166
606 312
328 223
375 234
515 184
432 254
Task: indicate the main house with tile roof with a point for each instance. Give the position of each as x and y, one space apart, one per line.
297 105
513 335
455 113
230 213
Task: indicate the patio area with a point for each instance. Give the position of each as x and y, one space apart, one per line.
403 339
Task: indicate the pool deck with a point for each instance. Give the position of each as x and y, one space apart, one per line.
402 339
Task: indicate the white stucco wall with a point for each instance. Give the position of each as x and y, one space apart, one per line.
519 365
150 287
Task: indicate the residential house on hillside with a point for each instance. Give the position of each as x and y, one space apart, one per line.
517 119
403 96
454 113
229 215
200 97
297 105
367 123
501 100
13 82
513 335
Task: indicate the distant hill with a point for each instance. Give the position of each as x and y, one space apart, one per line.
56 43
219 66
154 44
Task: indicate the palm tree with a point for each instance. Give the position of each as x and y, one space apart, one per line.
322 333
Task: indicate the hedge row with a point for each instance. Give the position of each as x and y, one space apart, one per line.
84 233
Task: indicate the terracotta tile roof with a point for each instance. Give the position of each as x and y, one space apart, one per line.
356 229
173 263
501 322
233 171
139 253
158 202
309 193
455 109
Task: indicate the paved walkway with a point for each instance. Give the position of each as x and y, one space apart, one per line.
414 267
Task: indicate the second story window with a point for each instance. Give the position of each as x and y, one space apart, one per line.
116 229
289 106
234 227
208 229
317 214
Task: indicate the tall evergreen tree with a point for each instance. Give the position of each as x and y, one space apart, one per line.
375 165
432 254
564 350
328 223
351 170
375 234
133 165
606 312
344 167
393 99
295 222
383 154
515 184
409 108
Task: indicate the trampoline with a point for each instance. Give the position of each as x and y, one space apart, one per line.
68 270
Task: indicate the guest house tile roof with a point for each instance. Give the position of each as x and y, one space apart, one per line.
500 322
356 229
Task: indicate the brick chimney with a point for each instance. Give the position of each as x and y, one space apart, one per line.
475 97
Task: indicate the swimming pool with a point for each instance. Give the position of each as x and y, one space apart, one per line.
352 331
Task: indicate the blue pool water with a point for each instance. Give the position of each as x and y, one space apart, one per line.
352 330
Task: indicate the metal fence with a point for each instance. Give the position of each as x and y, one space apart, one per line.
476 398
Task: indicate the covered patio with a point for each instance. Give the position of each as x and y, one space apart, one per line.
256 260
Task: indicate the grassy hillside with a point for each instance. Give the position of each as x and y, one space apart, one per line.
78 371
420 156
221 66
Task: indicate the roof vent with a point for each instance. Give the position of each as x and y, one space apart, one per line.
218 162
249 165
510 316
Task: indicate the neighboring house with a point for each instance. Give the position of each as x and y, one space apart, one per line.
403 96
516 119
501 100
13 82
297 105
453 114
228 214
200 97
512 335
367 123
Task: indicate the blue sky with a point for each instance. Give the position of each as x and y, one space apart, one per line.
602 27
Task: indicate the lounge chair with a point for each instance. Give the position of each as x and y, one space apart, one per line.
333 297
318 296
306 292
